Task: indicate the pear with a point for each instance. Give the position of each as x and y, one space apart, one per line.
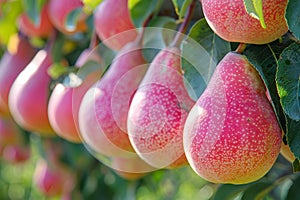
231 134
104 108
230 20
43 29
14 60
64 102
13 148
28 97
158 112
113 24
59 11
53 179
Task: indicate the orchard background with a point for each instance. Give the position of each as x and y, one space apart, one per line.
85 174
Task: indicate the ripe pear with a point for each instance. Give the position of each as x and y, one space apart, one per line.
53 180
104 108
43 29
229 20
8 133
13 148
231 134
28 97
58 12
14 60
64 102
113 24
158 111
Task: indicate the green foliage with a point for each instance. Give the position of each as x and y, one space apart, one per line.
33 9
293 192
9 13
292 17
201 52
90 5
288 81
293 135
181 7
141 10
278 64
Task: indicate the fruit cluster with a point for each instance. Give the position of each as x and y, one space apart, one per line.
133 113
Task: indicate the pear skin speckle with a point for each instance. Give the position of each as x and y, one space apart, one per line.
231 134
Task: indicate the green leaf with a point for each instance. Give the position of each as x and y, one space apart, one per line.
157 36
264 59
10 11
296 165
142 9
181 7
255 9
201 52
292 17
57 50
90 5
288 81
229 192
72 19
56 70
33 9
293 135
293 192
257 191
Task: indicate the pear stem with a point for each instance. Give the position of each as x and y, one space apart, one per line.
240 49
183 28
141 34
51 41
94 40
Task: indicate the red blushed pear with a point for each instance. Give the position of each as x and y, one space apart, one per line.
231 134
12 146
8 133
14 60
64 101
113 23
43 29
52 180
58 12
158 111
28 97
104 108
16 154
229 20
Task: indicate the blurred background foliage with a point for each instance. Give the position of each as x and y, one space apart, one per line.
97 181
101 182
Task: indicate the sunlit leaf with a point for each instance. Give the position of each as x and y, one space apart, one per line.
288 81
255 9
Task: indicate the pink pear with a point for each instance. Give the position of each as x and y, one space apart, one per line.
104 108
14 60
64 101
28 97
113 24
232 135
229 20
158 111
